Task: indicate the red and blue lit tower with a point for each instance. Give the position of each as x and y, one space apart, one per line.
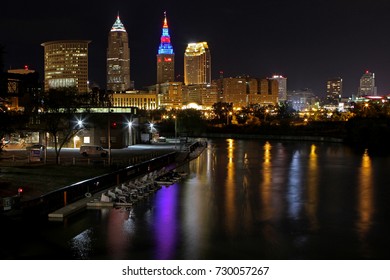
165 56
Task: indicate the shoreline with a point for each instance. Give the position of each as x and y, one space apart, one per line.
71 193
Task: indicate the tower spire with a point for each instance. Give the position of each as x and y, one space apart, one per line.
165 56
165 45
118 25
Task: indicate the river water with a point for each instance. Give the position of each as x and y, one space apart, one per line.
242 199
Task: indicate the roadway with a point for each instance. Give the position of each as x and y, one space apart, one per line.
72 155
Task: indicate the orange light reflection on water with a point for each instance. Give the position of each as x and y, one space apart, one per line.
365 195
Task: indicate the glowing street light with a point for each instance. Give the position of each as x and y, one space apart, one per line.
130 133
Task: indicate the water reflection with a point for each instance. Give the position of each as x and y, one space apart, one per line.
312 188
242 199
165 225
81 245
365 196
230 189
265 186
294 191
117 236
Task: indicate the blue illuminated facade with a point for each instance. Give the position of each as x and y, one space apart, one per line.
165 45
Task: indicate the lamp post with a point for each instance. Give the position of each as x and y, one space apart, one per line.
227 117
109 136
175 117
130 133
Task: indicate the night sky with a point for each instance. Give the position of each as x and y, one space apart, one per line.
308 41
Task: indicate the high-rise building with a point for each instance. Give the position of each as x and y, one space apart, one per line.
66 64
197 64
118 58
334 89
165 57
282 82
367 84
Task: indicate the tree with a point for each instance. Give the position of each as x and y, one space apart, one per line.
190 121
221 110
59 107
3 77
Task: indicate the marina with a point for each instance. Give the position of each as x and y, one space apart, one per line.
128 193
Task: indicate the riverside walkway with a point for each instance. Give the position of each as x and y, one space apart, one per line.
79 205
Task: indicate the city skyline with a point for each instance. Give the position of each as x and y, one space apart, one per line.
306 42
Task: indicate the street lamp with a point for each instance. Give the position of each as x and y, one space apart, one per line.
227 117
175 117
130 133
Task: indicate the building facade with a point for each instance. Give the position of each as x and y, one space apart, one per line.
246 91
367 84
118 59
334 90
165 57
23 87
202 95
136 99
170 95
66 64
282 87
268 92
301 100
197 64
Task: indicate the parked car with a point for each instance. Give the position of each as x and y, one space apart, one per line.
87 150
36 146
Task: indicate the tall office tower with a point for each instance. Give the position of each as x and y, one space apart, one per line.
197 64
66 64
334 89
165 57
282 82
118 58
367 84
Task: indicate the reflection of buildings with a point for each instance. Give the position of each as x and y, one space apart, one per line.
66 64
197 64
118 58
165 57
367 84
365 196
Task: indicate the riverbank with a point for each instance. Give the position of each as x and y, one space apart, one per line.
50 191
36 179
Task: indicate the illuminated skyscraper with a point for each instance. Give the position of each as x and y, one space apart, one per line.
118 58
165 57
66 64
197 64
367 84
334 89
